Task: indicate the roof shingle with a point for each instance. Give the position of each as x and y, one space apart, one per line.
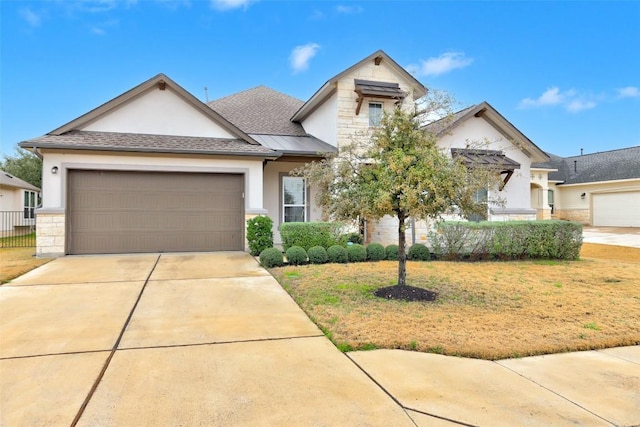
260 110
603 166
113 141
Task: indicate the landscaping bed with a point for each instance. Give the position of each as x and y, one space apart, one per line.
489 310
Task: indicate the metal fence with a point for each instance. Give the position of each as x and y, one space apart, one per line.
17 229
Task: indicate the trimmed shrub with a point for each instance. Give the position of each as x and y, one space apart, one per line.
356 253
271 257
309 234
317 255
391 252
296 255
418 252
508 240
351 238
337 254
259 234
375 252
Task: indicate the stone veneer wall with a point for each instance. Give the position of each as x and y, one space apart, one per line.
579 215
50 234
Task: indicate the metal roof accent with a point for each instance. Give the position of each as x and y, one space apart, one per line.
491 158
379 89
133 142
295 145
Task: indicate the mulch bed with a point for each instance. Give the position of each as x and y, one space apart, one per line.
406 293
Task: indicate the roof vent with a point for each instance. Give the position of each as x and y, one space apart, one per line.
377 60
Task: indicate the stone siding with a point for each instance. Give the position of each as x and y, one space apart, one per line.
578 215
50 234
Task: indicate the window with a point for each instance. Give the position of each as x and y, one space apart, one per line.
294 199
481 196
29 204
550 200
375 114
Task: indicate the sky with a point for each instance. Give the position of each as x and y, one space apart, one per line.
565 73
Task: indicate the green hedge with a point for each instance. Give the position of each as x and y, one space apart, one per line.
310 234
356 253
337 254
507 240
259 234
391 252
375 252
317 255
418 252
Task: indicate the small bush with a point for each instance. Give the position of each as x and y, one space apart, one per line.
271 257
351 238
356 253
391 252
296 255
337 254
317 255
310 234
259 234
418 252
375 252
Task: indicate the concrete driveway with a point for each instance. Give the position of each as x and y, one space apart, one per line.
213 340
189 339
620 236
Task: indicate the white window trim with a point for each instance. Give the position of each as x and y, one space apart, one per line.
307 199
381 104
30 205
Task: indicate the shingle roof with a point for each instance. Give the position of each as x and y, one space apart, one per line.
112 141
13 181
445 123
603 166
260 110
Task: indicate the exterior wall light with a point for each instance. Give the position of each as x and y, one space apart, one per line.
583 195
54 170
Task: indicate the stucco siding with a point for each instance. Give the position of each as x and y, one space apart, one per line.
477 133
323 122
158 112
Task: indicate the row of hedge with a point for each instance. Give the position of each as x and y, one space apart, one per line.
510 240
297 255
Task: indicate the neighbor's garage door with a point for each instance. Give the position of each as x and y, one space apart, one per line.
124 212
617 209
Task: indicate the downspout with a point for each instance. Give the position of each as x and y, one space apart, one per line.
413 231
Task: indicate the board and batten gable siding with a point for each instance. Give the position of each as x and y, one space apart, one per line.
158 112
471 134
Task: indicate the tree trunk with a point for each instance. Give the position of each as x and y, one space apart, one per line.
402 254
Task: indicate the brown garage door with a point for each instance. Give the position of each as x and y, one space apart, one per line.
125 212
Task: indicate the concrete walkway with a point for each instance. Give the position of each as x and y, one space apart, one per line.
213 340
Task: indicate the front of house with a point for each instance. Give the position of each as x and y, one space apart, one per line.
157 170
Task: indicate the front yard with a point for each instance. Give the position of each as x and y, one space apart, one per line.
488 310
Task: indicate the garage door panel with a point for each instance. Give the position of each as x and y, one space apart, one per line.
120 212
616 209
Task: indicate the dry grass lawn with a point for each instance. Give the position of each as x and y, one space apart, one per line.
17 261
488 310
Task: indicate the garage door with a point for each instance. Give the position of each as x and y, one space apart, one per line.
617 209
126 212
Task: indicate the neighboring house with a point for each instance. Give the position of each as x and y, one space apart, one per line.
18 202
599 189
155 169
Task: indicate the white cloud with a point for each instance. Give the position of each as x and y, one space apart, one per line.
551 96
301 55
348 9
32 18
442 64
578 105
231 4
628 92
570 100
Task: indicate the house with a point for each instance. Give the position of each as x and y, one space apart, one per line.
599 189
18 201
155 169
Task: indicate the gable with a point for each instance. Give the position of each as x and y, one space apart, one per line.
157 112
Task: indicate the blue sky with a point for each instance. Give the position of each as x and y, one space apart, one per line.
566 73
